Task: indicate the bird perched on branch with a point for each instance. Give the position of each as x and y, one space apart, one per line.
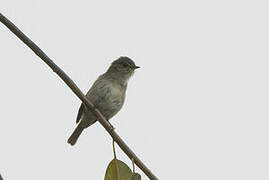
107 94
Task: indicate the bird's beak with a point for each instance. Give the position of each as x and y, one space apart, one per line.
136 67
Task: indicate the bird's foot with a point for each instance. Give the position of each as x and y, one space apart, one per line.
111 126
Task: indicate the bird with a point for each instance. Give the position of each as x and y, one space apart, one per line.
107 94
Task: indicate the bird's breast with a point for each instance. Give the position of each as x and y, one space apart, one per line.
112 101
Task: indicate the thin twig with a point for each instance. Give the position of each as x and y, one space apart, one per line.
133 165
114 151
115 160
79 94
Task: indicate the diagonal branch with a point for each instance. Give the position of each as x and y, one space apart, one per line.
79 94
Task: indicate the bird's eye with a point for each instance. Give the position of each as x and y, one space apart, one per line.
125 65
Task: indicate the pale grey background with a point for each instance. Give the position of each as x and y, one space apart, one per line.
196 110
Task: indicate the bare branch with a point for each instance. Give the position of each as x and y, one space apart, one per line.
79 94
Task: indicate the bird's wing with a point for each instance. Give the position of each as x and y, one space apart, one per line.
80 112
92 95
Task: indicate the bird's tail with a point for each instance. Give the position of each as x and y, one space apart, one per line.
74 136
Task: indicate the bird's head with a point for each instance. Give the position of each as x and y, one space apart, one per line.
122 68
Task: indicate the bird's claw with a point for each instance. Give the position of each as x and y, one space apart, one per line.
111 126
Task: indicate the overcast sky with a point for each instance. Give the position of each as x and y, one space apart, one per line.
197 109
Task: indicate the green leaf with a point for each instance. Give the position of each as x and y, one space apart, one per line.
136 176
124 170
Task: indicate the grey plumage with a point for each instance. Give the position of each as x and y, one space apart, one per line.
107 94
